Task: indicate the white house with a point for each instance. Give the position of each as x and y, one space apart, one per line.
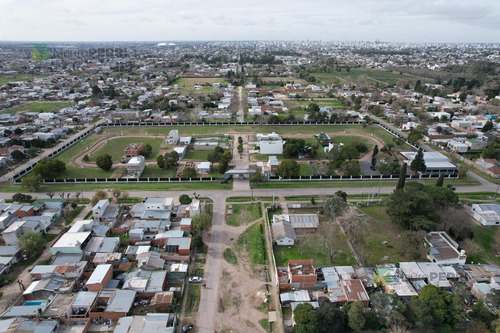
136 166
270 144
159 204
283 233
457 146
173 137
203 167
487 214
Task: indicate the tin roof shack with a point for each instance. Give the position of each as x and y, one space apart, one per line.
114 259
146 283
481 290
60 307
300 222
150 261
82 304
283 233
162 301
179 245
393 280
48 288
113 304
443 250
102 245
133 250
334 292
150 323
100 277
69 271
355 291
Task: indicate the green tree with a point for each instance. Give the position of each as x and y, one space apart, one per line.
350 168
412 208
98 195
419 314
170 159
104 162
356 316
335 206
487 127
482 314
32 182
202 222
32 151
49 168
32 243
290 168
440 181
17 155
145 150
433 297
160 161
350 152
197 242
290 151
227 156
223 166
184 199
415 136
418 163
189 173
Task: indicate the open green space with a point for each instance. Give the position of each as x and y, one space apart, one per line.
311 247
334 103
382 76
153 171
305 170
346 140
243 214
115 147
40 107
324 184
162 186
6 78
252 241
380 229
486 238
245 199
193 298
197 155
230 256
77 172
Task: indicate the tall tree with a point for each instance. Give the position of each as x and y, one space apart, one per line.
32 243
418 163
440 180
104 162
335 206
290 168
402 177
356 316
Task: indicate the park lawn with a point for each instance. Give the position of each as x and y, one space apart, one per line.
346 140
252 242
115 147
379 228
152 186
305 170
486 238
334 103
6 78
243 214
153 171
311 247
78 148
197 155
40 107
324 184
77 172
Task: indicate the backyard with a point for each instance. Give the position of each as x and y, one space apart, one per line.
239 214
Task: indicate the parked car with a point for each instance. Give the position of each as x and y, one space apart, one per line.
195 279
187 327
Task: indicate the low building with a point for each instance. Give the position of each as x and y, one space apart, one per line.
435 163
393 280
71 242
136 166
486 214
100 277
457 146
162 301
150 323
203 167
443 249
173 137
113 304
132 150
181 151
283 233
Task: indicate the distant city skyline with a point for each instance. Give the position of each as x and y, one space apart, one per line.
443 21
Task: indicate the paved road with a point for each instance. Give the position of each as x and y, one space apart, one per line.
240 117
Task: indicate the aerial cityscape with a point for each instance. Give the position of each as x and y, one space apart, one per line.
208 170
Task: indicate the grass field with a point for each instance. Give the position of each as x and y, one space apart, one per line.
173 186
346 140
197 155
383 77
252 241
293 104
380 229
77 172
230 256
486 237
39 107
305 170
311 247
193 298
243 214
115 147
153 171
285 79
6 78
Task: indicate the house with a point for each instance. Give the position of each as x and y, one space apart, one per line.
113 304
15 230
150 323
194 208
271 167
435 163
487 214
102 245
203 167
106 213
181 151
173 137
146 283
161 301
475 144
283 233
443 250
270 144
457 146
132 150
394 281
71 242
302 222
186 224
300 271
179 245
136 166
100 277
150 261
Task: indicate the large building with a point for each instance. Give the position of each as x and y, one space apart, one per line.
443 250
487 214
435 163
270 144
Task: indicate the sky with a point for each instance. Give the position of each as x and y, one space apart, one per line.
453 21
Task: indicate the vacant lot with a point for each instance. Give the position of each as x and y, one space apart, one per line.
302 104
5 78
40 107
350 139
243 214
197 155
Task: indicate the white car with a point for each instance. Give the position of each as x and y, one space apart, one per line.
195 279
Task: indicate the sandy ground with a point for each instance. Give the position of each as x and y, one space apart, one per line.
241 290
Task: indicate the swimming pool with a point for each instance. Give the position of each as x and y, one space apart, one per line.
33 303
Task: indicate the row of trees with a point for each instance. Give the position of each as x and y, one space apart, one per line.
433 309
